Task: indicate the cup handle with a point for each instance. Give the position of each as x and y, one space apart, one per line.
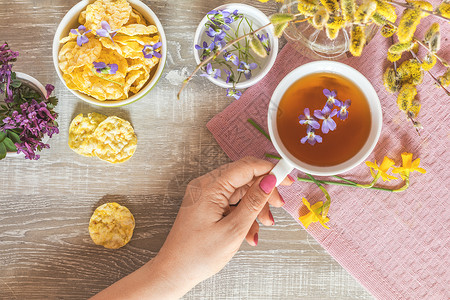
281 170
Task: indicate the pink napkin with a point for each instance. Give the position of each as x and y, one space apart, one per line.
395 244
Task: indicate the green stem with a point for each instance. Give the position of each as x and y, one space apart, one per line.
272 156
326 205
251 121
368 186
404 187
346 180
95 73
341 184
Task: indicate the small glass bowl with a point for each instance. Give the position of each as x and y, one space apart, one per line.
314 43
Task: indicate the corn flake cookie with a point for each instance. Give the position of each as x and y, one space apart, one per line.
81 133
111 225
110 139
116 140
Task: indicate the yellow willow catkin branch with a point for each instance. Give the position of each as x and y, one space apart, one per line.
435 13
414 39
431 74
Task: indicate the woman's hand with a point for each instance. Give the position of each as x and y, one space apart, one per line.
218 212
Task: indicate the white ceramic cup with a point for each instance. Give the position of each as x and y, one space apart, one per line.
289 162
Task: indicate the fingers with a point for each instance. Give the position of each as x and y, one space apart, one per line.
243 171
265 216
253 202
252 235
238 194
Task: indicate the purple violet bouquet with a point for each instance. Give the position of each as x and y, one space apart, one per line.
26 115
237 62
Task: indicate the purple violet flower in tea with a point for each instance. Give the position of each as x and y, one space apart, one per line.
211 72
331 95
231 57
326 114
343 112
307 119
81 35
311 137
247 69
234 93
150 50
106 31
103 68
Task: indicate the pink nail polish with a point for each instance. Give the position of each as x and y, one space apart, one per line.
271 218
255 239
291 178
268 183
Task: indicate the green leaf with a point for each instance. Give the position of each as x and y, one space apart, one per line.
2 151
2 136
14 137
16 83
9 145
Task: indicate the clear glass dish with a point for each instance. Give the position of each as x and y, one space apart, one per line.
314 43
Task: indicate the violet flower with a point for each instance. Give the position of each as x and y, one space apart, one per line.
210 72
247 69
264 39
234 93
104 68
311 137
81 35
331 95
231 57
343 112
217 33
307 119
106 31
206 49
150 50
326 114
230 76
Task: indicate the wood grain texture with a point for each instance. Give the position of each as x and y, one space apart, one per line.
45 248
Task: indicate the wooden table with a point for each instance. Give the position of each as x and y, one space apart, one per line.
45 248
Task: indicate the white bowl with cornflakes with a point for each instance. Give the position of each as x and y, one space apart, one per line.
70 21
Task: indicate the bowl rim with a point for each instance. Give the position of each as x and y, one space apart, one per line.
361 82
261 17
74 13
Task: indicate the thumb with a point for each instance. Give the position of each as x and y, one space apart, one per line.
253 202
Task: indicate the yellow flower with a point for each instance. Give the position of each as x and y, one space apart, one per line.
314 214
382 169
408 166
